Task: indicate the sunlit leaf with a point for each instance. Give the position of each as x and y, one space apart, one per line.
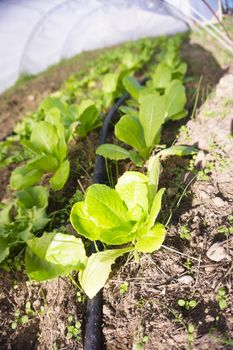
132 188
162 76
112 152
152 240
175 98
23 177
105 206
83 222
97 270
110 82
117 235
130 131
59 248
155 208
44 137
45 163
60 176
153 177
151 114
178 150
132 86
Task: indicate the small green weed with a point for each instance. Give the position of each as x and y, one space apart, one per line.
204 174
187 304
22 319
228 228
77 197
184 233
225 230
222 298
15 263
190 331
190 328
80 297
73 328
210 114
28 309
187 264
184 133
228 103
222 340
124 287
221 161
140 345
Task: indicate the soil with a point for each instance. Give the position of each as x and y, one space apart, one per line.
199 195
182 269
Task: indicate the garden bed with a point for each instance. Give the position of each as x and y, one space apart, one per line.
178 297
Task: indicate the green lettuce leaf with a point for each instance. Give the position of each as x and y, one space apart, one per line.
30 197
105 206
132 188
60 177
155 208
97 270
23 177
44 138
162 76
152 114
59 248
178 150
132 86
4 250
151 240
175 99
83 222
153 178
117 235
112 152
130 131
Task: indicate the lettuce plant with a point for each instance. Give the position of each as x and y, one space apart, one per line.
140 126
124 215
89 118
21 218
121 215
48 144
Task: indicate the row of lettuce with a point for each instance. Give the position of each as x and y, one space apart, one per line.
124 216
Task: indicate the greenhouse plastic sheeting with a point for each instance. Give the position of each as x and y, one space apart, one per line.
35 34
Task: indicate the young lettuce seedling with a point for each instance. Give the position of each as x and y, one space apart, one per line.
126 214
112 83
141 127
21 218
48 144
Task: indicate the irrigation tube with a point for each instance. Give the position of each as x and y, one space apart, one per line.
93 339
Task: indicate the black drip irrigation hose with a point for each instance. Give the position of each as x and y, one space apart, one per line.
93 339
